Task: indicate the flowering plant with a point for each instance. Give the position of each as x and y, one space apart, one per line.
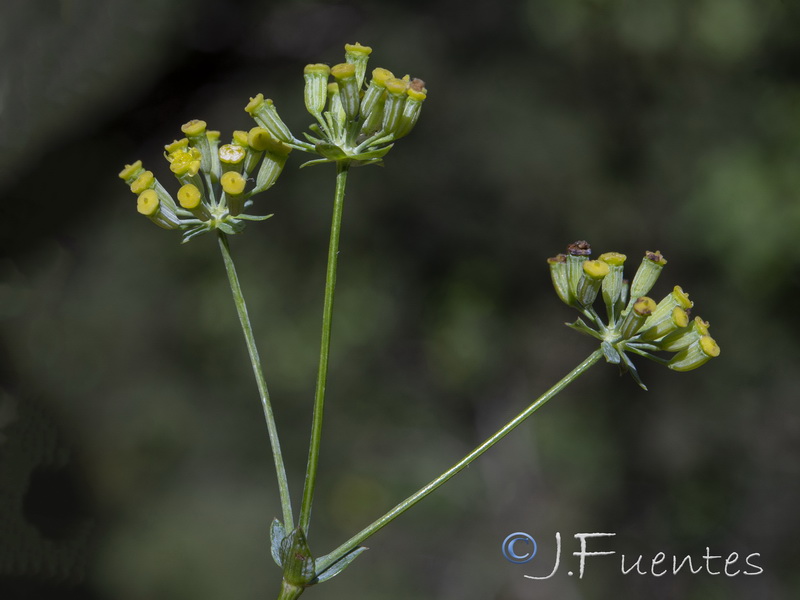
357 124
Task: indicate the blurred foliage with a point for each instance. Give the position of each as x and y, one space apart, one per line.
638 125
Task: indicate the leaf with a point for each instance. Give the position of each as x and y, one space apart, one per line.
379 153
316 161
254 217
340 565
311 138
580 326
631 368
276 535
330 151
610 353
296 558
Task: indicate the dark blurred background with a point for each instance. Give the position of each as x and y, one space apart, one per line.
134 462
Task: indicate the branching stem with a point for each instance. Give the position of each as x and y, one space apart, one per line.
263 392
325 343
378 524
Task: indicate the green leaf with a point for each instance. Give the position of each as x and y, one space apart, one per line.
254 217
380 153
330 151
316 161
276 535
296 558
610 353
582 327
631 368
340 565
311 138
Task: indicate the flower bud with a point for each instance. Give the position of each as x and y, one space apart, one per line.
612 283
181 144
191 198
195 130
647 274
272 165
266 115
232 157
695 355
642 308
145 181
416 95
239 138
233 185
394 104
682 338
345 76
558 273
335 107
131 172
316 89
259 139
213 146
577 253
376 91
357 55
676 298
654 329
185 163
594 271
149 205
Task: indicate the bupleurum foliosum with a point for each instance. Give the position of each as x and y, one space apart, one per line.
634 322
218 181
355 125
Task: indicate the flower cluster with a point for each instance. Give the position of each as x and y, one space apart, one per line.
217 181
634 321
355 124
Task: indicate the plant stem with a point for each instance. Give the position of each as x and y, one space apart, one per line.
255 361
289 591
324 350
354 541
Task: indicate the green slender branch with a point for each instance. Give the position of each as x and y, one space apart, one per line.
362 535
289 591
324 350
255 361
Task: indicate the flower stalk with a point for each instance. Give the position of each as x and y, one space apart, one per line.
258 373
403 506
342 168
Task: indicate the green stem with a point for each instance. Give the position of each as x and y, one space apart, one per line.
255 361
324 350
362 535
289 591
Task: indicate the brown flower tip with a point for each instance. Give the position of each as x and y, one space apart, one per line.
417 85
559 258
656 257
579 248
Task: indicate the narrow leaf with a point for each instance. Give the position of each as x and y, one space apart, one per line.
580 326
276 535
340 565
298 563
380 153
610 353
330 151
631 368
